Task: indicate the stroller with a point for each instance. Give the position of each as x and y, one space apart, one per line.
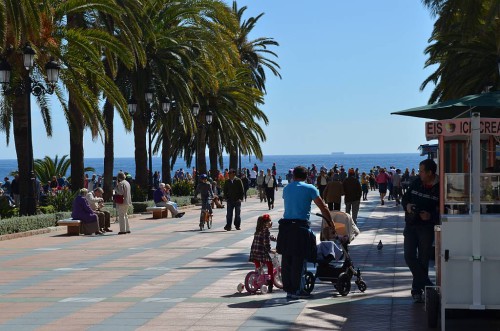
333 261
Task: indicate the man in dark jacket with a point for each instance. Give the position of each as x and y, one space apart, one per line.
352 195
233 193
421 205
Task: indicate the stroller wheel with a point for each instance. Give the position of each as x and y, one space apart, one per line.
309 282
209 223
361 285
344 284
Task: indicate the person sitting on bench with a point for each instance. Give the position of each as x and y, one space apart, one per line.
96 203
82 211
161 197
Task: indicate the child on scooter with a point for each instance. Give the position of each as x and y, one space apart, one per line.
261 247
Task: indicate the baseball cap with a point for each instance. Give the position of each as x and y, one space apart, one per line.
203 176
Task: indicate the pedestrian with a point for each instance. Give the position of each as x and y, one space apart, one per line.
206 193
273 168
352 192
421 205
333 193
260 186
246 185
261 247
382 179
6 186
396 186
294 237
123 189
364 185
233 193
321 181
14 190
270 184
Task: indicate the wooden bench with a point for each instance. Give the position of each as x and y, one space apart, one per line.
158 212
73 226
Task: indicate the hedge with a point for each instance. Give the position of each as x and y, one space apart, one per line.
27 223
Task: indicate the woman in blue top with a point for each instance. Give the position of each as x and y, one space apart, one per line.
293 236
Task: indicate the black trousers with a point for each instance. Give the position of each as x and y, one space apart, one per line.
292 272
270 196
333 206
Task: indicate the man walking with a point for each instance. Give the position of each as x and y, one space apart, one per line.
233 193
294 236
421 205
352 192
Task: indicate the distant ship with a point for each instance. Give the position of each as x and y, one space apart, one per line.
338 153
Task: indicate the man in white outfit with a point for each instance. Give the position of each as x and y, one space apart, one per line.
123 189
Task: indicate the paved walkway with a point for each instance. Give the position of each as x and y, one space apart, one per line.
167 275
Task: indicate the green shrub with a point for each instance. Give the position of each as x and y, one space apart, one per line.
62 200
138 193
27 223
140 207
182 188
47 209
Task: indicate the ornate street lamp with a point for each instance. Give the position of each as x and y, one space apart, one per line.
27 87
209 117
165 105
196 109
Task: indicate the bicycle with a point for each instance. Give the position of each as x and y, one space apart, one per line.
205 215
259 278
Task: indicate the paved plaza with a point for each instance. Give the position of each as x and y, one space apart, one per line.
167 275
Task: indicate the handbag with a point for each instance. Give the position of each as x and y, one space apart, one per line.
118 198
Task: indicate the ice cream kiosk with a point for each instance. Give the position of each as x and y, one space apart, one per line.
468 238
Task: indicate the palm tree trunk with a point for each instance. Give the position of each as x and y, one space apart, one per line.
76 126
201 159
20 118
166 155
141 157
233 160
213 155
109 147
76 152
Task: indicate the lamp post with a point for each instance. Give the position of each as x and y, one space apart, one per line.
27 87
149 115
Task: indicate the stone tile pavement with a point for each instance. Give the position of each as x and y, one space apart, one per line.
167 275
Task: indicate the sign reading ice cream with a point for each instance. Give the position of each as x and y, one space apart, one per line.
460 127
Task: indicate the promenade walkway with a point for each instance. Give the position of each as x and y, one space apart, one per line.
167 275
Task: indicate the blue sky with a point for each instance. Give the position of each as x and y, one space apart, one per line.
346 65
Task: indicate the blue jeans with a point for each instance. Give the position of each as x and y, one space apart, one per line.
236 206
418 241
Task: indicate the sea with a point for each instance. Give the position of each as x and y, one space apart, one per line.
364 162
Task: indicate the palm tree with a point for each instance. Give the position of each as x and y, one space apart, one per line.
46 168
252 51
52 29
465 48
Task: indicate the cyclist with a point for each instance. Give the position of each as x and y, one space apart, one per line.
205 190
